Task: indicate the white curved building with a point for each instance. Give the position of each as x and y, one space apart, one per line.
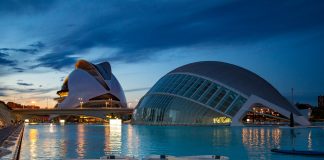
212 92
91 85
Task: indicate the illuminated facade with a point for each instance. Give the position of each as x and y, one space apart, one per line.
91 85
210 93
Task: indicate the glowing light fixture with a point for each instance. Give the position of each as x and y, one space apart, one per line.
115 122
62 121
26 120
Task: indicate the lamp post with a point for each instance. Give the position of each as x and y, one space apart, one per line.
81 102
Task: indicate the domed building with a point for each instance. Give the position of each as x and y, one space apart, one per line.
214 93
91 86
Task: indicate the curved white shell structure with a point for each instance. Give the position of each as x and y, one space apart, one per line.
211 92
92 85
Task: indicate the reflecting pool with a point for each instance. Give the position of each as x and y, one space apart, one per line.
93 141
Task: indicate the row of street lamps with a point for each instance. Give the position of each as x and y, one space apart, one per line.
110 99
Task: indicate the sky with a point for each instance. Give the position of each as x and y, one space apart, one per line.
40 41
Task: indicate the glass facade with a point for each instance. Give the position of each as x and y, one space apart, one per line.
187 99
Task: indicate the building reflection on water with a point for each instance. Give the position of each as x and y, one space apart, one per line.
94 141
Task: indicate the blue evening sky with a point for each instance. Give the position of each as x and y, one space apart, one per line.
282 41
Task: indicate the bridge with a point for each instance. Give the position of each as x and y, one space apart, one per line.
94 112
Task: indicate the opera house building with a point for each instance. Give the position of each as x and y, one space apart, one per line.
214 93
91 85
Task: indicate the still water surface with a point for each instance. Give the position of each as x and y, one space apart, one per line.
93 141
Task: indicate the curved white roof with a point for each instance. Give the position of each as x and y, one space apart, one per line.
88 81
238 78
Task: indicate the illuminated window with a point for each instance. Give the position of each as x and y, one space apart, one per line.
222 120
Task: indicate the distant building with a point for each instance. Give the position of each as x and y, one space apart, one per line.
13 105
321 102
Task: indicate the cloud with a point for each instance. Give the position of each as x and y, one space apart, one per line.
3 94
19 50
24 84
3 54
24 6
18 69
7 62
8 57
140 29
33 91
56 60
137 89
37 45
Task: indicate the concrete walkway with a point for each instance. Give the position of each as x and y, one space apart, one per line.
10 141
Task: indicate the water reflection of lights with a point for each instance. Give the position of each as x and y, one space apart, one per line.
51 128
115 132
107 139
132 142
310 140
48 150
256 138
221 136
276 135
81 141
33 137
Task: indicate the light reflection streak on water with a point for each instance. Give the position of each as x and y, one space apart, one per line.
115 138
51 128
33 137
252 137
310 140
130 139
50 151
276 134
81 141
262 136
221 136
107 148
255 140
132 142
